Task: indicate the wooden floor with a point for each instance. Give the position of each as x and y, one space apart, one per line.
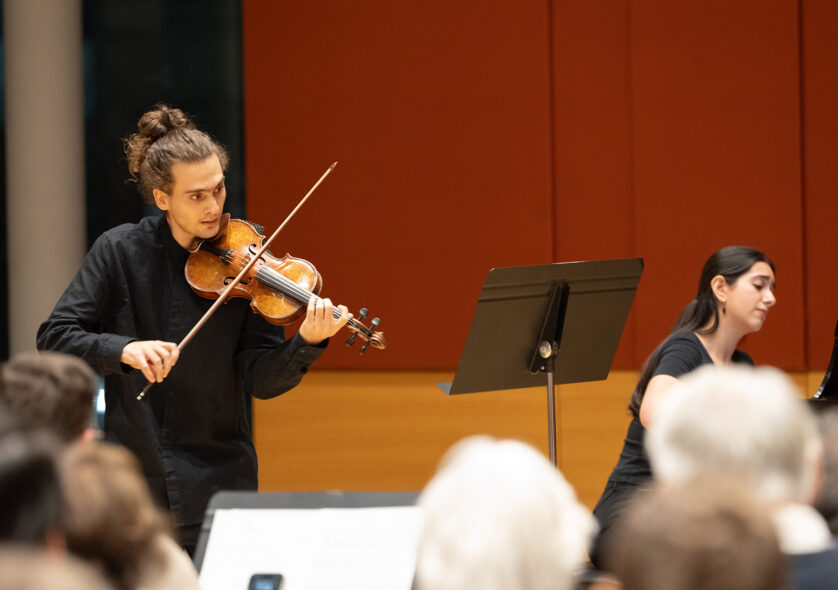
375 431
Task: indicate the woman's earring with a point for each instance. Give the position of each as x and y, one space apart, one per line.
724 307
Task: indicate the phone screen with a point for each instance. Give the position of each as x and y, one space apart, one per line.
265 582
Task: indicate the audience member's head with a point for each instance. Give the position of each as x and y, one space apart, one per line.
29 569
706 533
747 423
827 503
498 516
109 517
8 422
49 390
30 491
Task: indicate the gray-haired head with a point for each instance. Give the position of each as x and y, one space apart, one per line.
500 517
744 422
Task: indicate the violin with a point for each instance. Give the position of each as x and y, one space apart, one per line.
237 262
279 288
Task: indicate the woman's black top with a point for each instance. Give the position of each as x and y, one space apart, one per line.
678 357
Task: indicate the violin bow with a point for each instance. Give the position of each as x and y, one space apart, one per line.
223 297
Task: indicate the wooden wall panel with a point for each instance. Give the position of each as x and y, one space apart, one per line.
438 113
820 148
717 158
387 430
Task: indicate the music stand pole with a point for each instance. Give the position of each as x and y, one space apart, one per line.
551 418
546 351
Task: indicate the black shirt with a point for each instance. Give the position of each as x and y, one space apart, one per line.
191 432
678 357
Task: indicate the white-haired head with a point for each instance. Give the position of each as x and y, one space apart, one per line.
739 421
498 516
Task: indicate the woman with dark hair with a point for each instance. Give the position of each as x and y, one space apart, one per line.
735 292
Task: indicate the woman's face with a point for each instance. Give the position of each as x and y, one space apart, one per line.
750 297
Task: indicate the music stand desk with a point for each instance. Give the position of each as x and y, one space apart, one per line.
226 500
532 321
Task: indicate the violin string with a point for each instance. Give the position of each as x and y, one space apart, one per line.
283 284
289 287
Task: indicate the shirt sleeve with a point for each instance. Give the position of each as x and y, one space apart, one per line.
679 357
268 364
74 324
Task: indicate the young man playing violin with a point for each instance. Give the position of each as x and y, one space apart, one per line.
130 303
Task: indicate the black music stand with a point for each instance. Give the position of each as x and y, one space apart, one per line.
564 319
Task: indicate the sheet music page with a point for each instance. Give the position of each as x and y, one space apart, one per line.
314 549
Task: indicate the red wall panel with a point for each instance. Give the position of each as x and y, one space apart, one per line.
510 134
717 155
592 125
820 133
438 114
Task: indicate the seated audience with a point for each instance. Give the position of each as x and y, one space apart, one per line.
50 390
30 492
706 533
28 569
827 503
750 424
498 516
111 521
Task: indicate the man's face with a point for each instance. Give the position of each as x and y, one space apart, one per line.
196 202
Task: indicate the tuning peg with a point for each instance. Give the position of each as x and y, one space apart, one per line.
374 323
364 312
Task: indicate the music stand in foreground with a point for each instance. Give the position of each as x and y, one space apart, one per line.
229 500
562 321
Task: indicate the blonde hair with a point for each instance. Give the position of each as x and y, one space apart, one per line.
110 518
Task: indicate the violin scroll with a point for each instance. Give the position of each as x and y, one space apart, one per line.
367 334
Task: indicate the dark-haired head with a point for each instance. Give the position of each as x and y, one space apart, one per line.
30 492
166 136
49 390
701 315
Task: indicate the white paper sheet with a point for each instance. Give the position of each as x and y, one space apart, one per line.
314 549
